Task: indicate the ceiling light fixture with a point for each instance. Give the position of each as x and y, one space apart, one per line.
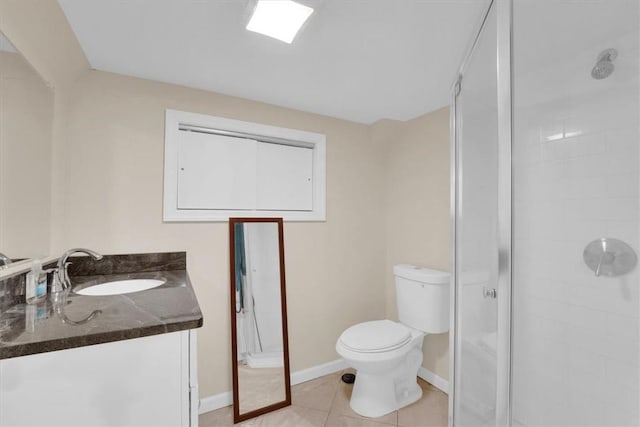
280 19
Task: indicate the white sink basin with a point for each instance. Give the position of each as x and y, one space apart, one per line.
121 287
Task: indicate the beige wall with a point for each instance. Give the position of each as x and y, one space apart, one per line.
417 209
26 115
113 204
39 30
107 183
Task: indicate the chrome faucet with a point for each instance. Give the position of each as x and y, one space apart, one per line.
5 260
61 277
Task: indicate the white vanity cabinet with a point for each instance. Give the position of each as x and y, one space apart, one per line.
149 381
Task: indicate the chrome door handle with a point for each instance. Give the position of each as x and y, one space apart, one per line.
489 293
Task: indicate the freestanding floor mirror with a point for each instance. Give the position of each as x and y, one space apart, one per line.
260 349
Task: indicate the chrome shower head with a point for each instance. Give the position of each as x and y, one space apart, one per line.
604 67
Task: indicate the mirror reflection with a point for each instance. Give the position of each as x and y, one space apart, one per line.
26 120
261 375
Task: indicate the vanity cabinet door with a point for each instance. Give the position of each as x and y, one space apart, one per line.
137 382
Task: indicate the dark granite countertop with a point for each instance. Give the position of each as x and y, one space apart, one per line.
73 320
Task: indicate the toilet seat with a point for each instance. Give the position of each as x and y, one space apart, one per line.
376 336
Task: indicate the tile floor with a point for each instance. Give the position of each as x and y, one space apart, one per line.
324 402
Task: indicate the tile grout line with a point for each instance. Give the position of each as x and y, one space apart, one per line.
330 406
333 399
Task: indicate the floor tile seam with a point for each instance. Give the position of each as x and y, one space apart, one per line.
304 407
300 405
358 417
326 419
335 393
311 407
370 420
333 399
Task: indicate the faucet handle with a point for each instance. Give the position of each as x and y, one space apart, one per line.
59 273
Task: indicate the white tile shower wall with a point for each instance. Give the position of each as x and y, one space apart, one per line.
576 161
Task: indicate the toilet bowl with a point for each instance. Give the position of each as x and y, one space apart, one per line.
386 354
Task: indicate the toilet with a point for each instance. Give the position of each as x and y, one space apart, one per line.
388 354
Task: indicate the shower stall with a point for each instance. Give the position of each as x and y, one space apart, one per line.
545 202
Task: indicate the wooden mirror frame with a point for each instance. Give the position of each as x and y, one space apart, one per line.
237 417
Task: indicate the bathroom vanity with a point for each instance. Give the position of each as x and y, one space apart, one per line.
110 360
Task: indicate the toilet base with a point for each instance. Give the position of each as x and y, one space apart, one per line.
375 395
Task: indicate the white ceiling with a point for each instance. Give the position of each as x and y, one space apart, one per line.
360 60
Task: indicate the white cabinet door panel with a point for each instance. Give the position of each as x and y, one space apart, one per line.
285 178
138 382
216 172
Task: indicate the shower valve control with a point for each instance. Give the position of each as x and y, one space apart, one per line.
489 293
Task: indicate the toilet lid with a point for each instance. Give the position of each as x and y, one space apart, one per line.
375 336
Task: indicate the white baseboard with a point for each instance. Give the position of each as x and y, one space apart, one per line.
433 379
318 371
217 401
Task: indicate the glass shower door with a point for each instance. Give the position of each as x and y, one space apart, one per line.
546 303
476 155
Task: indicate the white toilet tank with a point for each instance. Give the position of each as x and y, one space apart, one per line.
422 296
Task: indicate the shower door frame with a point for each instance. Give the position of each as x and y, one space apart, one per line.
504 242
